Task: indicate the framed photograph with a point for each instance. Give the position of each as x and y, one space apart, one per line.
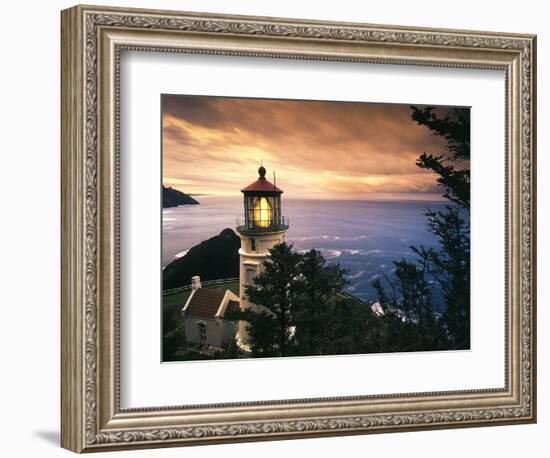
278 228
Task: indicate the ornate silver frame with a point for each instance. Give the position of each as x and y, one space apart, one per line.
92 39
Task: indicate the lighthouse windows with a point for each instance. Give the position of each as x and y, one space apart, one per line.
262 213
253 244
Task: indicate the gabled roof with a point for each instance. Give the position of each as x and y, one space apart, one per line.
205 302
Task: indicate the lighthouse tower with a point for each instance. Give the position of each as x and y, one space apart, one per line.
262 228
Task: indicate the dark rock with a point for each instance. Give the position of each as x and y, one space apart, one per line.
213 259
172 198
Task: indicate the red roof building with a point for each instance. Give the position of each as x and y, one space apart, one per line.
205 312
205 302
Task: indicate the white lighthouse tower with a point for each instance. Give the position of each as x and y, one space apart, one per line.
262 228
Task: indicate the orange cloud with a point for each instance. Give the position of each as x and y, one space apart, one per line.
213 145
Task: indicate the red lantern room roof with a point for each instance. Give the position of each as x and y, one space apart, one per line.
261 184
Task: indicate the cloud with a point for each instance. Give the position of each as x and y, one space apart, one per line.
318 148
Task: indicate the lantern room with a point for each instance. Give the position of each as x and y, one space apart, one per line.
262 206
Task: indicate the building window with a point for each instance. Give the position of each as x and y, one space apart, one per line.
202 331
253 244
251 272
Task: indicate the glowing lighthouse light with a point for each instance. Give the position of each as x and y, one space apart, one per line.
262 206
262 214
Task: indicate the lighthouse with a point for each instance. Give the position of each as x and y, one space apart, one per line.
262 228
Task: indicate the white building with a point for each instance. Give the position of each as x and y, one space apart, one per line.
204 315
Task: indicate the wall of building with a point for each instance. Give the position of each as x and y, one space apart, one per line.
252 260
251 265
228 330
218 331
192 332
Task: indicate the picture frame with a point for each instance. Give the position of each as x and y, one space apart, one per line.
93 39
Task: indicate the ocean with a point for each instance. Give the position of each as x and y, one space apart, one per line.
364 237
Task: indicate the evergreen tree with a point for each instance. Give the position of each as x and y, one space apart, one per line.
274 289
452 167
349 327
451 263
303 309
316 302
263 333
409 322
443 271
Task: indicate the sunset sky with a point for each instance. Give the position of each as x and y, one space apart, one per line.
330 150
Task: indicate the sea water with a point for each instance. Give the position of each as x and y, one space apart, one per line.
363 236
